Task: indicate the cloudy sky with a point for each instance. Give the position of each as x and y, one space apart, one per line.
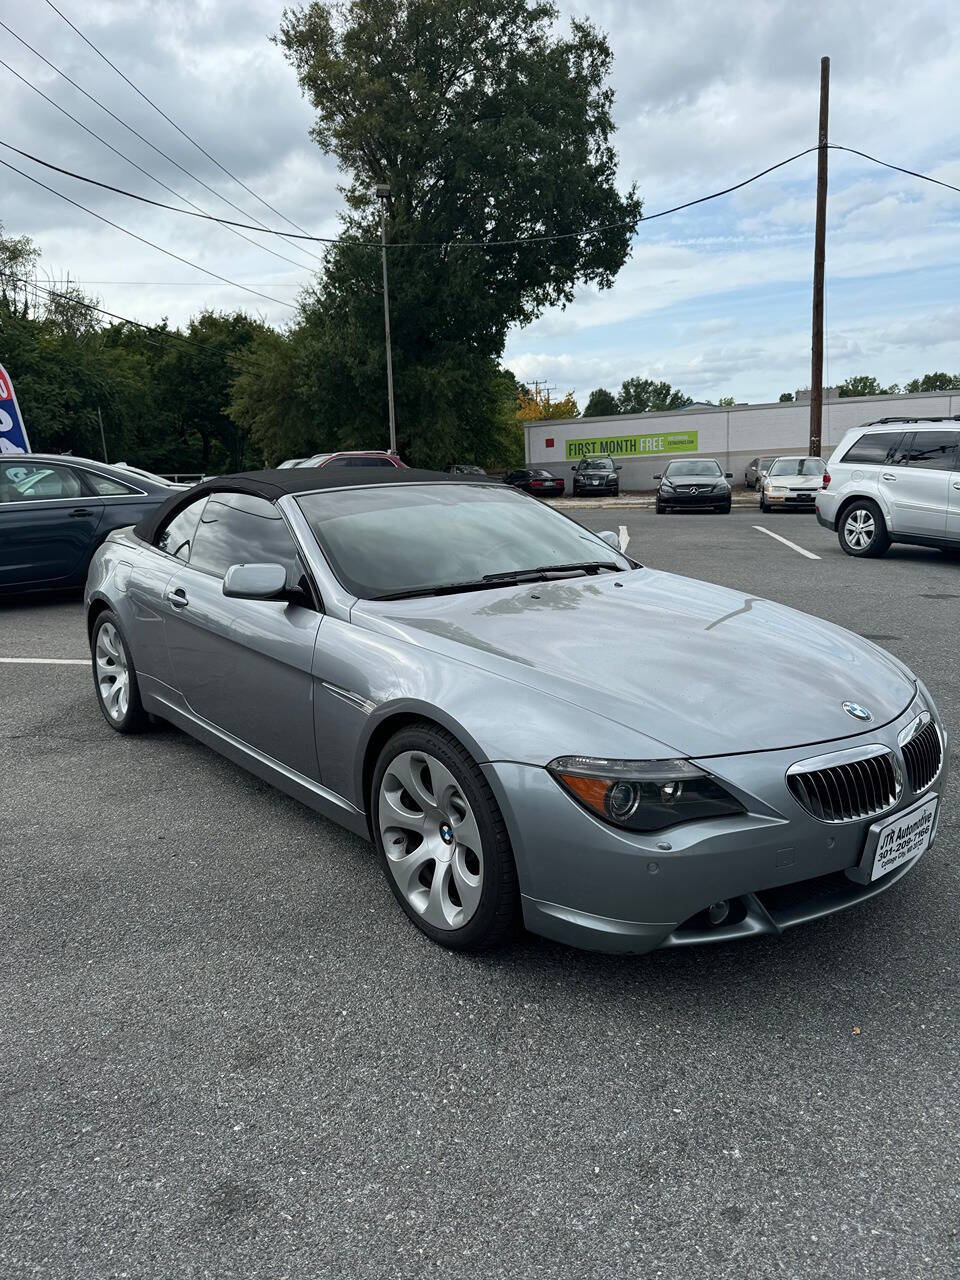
716 300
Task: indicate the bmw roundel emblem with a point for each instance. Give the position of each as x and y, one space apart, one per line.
859 713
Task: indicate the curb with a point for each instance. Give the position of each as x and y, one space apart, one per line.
743 502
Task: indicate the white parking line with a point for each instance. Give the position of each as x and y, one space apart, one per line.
787 543
53 662
624 538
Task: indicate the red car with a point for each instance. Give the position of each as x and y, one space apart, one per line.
536 481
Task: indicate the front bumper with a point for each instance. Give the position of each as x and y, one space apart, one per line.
805 500
591 885
675 499
600 490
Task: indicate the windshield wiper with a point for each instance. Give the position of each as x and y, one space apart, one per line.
507 578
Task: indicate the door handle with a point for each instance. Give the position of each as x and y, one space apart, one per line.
887 475
177 597
78 512
956 484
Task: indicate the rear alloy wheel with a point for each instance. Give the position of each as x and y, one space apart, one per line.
862 532
443 840
115 677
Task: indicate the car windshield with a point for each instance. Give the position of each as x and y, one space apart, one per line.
693 467
798 467
410 538
596 464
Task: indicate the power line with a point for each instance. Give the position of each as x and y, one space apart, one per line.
140 169
412 244
173 123
835 146
151 145
89 306
133 235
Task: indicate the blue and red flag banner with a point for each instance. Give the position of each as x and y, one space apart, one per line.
13 434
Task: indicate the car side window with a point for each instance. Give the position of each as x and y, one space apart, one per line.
106 486
176 536
876 448
932 450
23 481
237 528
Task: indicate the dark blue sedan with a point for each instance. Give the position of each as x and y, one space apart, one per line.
55 511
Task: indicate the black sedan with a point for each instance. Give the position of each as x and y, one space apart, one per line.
693 483
596 475
536 481
55 511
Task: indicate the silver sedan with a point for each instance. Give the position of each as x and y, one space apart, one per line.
525 722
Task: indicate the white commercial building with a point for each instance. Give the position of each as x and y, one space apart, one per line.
643 442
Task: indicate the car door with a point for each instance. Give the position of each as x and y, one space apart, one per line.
918 486
244 666
953 496
48 522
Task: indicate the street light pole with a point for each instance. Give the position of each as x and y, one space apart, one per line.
383 191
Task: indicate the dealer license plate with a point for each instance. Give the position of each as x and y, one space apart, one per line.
899 839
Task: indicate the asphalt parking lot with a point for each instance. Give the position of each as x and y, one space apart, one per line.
225 1053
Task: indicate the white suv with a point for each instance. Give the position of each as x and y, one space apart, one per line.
896 480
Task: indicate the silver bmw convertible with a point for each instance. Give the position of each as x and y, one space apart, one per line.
527 723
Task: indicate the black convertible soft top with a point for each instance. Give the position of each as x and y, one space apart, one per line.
274 484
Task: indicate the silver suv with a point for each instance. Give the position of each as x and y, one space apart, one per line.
896 480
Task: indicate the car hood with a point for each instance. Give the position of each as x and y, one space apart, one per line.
795 482
693 665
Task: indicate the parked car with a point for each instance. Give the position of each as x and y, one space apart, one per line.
897 480
792 482
597 475
693 484
55 511
465 469
542 484
290 462
756 470
427 661
351 458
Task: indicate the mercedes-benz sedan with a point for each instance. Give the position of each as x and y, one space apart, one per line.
524 721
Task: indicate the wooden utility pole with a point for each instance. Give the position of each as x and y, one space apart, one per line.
819 257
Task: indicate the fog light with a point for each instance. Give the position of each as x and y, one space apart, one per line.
717 912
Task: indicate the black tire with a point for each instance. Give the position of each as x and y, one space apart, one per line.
870 514
660 508
725 509
763 506
132 719
952 553
496 916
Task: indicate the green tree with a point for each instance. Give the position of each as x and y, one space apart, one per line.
786 397
726 402
487 123
864 384
643 395
602 404
935 382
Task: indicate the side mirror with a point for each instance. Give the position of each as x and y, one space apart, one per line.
728 475
255 581
573 468
610 538
658 476
618 468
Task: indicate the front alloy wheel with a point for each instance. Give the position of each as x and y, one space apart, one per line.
862 530
443 841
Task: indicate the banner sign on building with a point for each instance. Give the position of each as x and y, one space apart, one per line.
13 434
636 446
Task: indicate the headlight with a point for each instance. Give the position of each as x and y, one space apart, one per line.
644 795
774 488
